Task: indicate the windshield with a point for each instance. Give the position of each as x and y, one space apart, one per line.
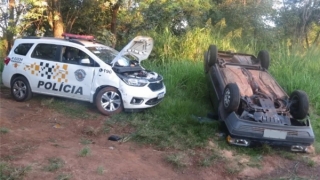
107 54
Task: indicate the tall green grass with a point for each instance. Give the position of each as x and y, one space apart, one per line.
298 69
173 123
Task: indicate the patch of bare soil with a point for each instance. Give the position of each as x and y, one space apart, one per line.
37 134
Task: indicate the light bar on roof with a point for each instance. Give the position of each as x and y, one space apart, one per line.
76 36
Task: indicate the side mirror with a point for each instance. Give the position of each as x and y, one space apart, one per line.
85 61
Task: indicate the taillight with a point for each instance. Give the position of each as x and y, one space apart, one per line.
6 60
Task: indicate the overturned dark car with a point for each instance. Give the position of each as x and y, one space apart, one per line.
253 106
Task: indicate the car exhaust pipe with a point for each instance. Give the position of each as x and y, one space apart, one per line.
297 148
238 142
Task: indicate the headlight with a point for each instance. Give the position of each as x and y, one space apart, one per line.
135 82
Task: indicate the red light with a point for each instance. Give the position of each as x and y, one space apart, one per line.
76 36
6 60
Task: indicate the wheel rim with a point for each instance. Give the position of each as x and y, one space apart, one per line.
110 101
226 99
208 57
19 89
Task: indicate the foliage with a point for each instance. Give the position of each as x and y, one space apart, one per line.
54 164
4 130
10 172
85 152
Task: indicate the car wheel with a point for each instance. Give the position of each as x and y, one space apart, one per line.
231 97
299 104
109 101
205 62
212 55
20 89
264 58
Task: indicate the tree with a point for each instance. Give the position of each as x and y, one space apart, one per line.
297 17
10 17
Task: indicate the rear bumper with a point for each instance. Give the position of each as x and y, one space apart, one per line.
278 135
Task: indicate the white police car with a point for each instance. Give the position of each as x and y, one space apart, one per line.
77 67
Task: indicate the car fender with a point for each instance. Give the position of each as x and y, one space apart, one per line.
104 76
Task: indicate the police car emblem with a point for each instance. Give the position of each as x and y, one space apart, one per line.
80 74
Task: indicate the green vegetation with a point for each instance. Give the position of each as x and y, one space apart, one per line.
210 159
178 160
63 177
85 141
10 172
73 109
4 130
85 152
100 170
54 164
171 123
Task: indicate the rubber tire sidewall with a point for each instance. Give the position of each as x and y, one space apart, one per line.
212 55
98 101
234 97
264 58
28 94
301 111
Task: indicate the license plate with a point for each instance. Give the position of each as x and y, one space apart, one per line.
269 133
161 95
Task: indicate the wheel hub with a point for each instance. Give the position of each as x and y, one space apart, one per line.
110 101
19 89
226 98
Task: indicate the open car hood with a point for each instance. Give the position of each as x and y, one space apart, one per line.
140 47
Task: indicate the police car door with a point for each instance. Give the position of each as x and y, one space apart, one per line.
75 78
56 75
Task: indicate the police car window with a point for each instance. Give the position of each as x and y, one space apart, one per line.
70 55
104 53
73 55
23 49
45 51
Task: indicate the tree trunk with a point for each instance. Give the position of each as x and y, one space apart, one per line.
115 10
9 33
307 40
57 23
317 37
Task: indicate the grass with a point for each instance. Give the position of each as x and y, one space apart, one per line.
210 159
100 170
171 123
308 161
54 164
178 160
63 177
70 108
85 141
4 130
86 151
9 172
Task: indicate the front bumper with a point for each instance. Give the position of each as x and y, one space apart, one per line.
277 135
140 97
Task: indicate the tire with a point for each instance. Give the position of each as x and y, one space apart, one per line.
299 104
205 62
109 101
264 58
20 89
212 55
231 97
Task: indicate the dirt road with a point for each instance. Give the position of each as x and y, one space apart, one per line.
54 146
